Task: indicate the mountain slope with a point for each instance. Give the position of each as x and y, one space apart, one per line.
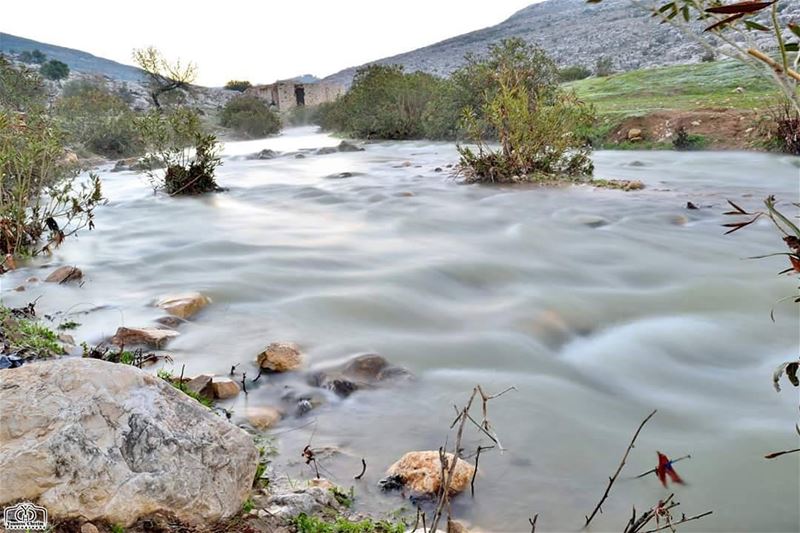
572 32
77 60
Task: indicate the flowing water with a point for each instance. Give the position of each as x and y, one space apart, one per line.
597 305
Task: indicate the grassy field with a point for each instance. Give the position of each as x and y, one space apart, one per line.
680 87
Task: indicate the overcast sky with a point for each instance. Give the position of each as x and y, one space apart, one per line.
256 41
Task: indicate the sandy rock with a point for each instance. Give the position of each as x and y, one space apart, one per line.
634 134
183 305
103 441
65 274
9 262
263 417
322 483
88 527
421 472
224 388
153 337
281 357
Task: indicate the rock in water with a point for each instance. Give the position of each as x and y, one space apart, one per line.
280 357
345 146
153 337
224 388
105 441
421 473
65 274
183 305
360 372
262 417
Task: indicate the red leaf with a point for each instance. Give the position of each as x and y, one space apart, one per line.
724 22
740 7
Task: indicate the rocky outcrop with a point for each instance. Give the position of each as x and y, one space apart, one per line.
183 305
151 337
104 441
65 274
360 372
280 357
421 473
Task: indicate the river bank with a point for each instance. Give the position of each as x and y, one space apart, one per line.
581 298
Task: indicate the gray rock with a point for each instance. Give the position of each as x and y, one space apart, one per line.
65 274
309 501
360 372
265 154
102 441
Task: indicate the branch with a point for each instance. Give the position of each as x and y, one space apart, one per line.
682 521
778 454
613 478
774 64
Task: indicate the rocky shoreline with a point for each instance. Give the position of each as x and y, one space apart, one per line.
105 444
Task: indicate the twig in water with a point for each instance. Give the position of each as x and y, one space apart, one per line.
244 384
475 472
778 454
363 469
533 522
310 457
233 368
180 380
613 478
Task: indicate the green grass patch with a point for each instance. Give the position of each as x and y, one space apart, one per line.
312 524
25 334
678 87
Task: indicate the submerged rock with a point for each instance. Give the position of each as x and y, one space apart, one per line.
421 473
201 385
263 417
152 337
345 146
307 501
184 305
65 274
264 154
280 357
362 371
224 388
102 441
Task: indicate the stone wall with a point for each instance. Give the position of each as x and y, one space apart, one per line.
282 93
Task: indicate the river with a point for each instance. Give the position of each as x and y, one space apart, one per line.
597 305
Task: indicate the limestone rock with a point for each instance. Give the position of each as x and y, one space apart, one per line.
634 134
201 385
65 274
263 417
153 337
309 501
281 357
88 527
183 305
108 442
322 483
224 388
421 472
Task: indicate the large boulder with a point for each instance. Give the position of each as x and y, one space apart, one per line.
105 441
183 305
421 473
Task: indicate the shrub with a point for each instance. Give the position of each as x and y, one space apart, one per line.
98 119
604 67
573 73
36 56
20 88
784 129
684 141
182 157
40 193
708 57
538 134
250 116
54 70
238 85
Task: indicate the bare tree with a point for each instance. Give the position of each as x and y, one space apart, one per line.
164 76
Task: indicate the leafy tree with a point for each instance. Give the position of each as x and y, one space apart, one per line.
238 85
54 70
98 119
164 76
36 56
250 116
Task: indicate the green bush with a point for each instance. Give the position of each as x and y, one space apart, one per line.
54 70
573 73
238 85
36 56
41 197
250 116
684 141
98 119
604 67
182 157
539 136
20 88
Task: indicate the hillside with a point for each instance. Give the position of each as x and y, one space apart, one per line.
573 33
77 60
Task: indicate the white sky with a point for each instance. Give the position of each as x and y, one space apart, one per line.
256 41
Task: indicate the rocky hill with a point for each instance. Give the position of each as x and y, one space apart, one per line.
573 33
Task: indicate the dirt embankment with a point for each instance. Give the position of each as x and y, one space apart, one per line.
723 129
